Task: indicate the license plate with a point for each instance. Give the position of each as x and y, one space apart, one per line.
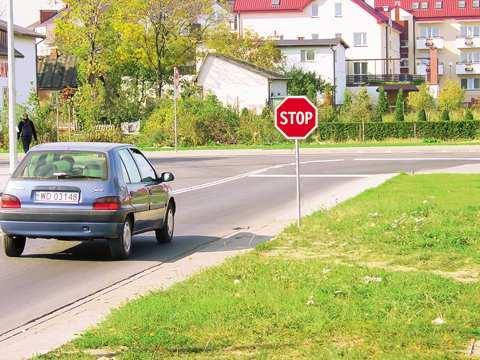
57 197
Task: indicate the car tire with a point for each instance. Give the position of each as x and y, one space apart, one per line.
14 245
120 247
165 234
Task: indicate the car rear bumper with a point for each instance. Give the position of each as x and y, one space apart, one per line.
62 230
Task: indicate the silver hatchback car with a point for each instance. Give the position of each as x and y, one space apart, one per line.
86 191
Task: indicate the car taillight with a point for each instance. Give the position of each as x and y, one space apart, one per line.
10 202
107 203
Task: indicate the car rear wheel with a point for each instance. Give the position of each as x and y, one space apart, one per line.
165 234
121 246
13 245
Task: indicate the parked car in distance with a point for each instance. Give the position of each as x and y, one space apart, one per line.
86 191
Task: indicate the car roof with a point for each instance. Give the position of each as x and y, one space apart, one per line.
79 146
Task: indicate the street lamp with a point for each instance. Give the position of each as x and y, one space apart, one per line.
12 128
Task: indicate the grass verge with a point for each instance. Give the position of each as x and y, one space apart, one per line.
391 274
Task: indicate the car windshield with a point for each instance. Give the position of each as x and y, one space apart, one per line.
63 165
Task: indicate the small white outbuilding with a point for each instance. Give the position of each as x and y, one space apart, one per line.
240 84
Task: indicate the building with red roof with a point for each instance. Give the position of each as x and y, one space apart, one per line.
445 33
373 39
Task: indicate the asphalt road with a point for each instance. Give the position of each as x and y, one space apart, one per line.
216 195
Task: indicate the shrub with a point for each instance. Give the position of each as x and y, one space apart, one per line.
445 115
199 122
258 129
421 100
451 96
399 107
468 115
382 105
421 115
304 83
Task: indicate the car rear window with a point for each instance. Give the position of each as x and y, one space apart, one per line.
63 165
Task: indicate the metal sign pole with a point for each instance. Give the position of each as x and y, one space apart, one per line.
12 126
297 155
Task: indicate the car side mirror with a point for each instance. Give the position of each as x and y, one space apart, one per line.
167 177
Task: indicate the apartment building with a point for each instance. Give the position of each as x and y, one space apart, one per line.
371 36
443 32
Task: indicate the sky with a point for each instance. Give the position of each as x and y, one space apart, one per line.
26 12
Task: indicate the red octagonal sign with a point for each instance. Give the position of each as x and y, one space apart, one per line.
296 117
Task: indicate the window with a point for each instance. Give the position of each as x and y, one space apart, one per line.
71 165
360 39
461 3
307 55
476 3
470 83
314 10
360 68
470 57
429 32
424 5
338 9
470 30
146 170
315 36
438 4
130 167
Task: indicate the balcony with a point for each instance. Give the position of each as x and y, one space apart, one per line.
427 43
424 69
467 42
377 80
467 68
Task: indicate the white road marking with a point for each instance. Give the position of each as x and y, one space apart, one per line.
246 175
418 159
315 175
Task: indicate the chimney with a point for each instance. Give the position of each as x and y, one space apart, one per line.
433 66
47 15
397 11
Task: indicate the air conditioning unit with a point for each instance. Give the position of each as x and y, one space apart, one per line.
469 41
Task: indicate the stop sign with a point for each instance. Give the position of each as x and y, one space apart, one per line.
296 117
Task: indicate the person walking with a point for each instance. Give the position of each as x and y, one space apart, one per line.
26 131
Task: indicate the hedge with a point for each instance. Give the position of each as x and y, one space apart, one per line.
448 130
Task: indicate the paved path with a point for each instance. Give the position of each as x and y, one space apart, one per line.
219 196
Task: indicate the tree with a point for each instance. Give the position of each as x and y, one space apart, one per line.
347 100
469 115
86 32
302 83
248 47
451 96
161 34
399 107
361 109
382 105
421 101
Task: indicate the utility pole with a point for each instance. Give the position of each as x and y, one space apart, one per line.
12 123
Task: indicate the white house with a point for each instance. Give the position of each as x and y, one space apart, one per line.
373 37
240 84
25 62
324 57
25 12
46 26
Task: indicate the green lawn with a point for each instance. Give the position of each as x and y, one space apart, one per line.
391 274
